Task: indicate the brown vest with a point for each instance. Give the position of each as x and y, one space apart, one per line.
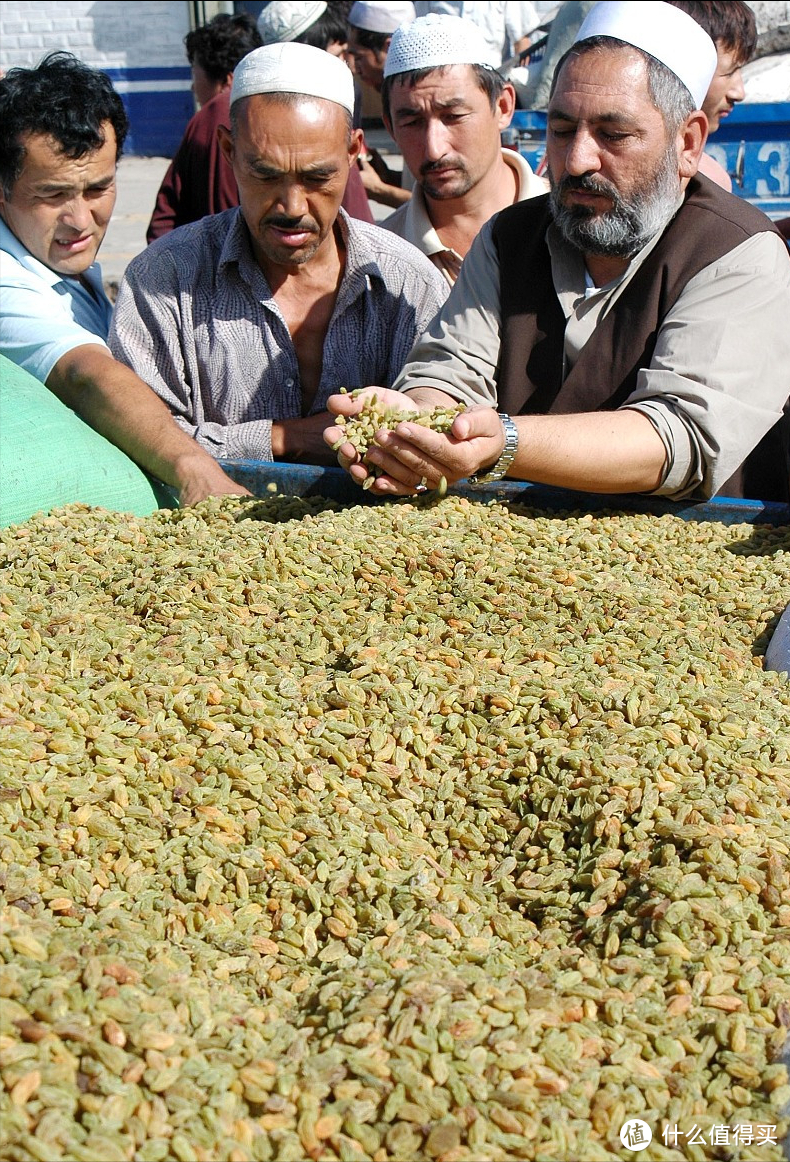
708 225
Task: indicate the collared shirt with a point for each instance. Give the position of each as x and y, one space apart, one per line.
720 372
412 222
197 320
44 314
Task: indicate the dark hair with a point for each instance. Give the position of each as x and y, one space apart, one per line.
375 41
729 23
219 45
61 98
489 80
667 92
330 28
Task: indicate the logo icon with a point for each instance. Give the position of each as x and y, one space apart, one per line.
635 1134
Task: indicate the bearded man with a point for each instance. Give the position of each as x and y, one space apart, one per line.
634 321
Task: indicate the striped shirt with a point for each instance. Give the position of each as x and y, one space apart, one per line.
196 319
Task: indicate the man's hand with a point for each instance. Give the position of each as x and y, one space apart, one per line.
199 477
412 456
351 405
379 189
301 439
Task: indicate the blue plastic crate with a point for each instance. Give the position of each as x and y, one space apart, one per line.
333 483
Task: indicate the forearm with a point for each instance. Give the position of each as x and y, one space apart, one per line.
385 190
302 439
426 397
124 409
595 452
618 451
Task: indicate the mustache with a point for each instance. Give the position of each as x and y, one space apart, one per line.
588 185
296 224
430 167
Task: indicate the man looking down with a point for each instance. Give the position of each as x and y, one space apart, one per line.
63 131
247 321
635 321
446 106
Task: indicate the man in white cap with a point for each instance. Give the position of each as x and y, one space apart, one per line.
370 28
505 25
446 106
323 26
245 322
634 322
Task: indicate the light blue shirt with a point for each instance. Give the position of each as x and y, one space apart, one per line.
44 314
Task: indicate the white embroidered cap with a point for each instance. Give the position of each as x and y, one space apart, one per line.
382 17
435 40
286 19
665 32
294 68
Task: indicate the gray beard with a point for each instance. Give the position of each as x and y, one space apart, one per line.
629 225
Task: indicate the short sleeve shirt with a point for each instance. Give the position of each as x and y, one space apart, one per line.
43 315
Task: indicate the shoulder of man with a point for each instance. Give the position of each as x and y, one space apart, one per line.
523 217
397 221
708 198
189 247
397 258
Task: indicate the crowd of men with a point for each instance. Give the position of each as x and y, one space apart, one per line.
619 326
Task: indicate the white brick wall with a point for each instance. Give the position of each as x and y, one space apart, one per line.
104 34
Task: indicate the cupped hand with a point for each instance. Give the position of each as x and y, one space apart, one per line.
348 405
411 456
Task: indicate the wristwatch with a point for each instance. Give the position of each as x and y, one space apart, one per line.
498 470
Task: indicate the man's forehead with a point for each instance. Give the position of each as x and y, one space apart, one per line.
45 155
284 109
615 76
445 83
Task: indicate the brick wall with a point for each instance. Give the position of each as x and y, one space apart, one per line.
107 34
140 45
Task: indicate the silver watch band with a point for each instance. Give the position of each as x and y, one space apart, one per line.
498 470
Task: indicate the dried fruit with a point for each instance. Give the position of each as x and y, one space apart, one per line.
398 832
360 430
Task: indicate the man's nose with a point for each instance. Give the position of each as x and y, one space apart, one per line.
77 213
735 89
293 200
437 142
581 154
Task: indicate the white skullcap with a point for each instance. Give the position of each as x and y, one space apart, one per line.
294 68
286 19
381 17
665 32
435 40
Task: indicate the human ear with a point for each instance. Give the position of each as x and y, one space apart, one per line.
691 138
506 106
354 146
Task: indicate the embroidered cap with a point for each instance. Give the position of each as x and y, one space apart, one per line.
435 40
665 32
294 68
286 19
